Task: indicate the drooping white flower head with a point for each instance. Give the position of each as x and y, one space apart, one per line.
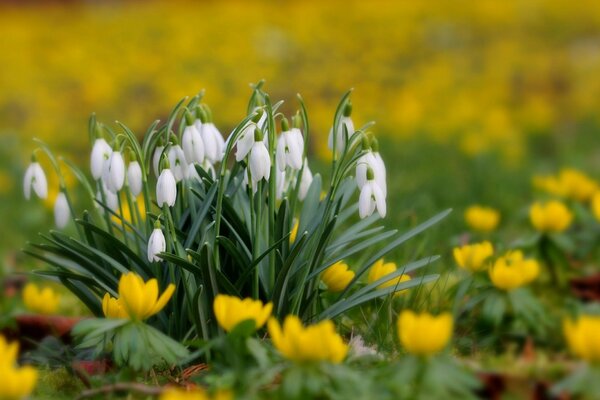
290 147
156 159
156 243
345 121
110 199
305 181
101 152
62 213
371 198
245 141
114 172
380 170
365 162
166 188
191 141
259 160
214 144
178 162
134 178
35 178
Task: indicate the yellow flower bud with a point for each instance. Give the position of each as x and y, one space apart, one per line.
473 257
40 300
230 311
424 334
513 270
482 219
552 216
294 232
582 337
381 269
318 342
337 277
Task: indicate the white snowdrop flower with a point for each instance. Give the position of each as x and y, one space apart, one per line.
214 144
290 147
245 141
259 160
280 184
101 152
156 159
110 199
62 213
178 162
134 178
156 243
35 178
365 162
208 167
340 137
166 188
380 170
371 198
305 181
114 172
191 141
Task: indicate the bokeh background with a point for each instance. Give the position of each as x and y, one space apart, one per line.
470 97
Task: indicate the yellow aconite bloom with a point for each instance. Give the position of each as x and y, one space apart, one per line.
337 277
512 271
294 232
231 310
582 337
140 299
424 334
473 256
17 382
113 308
552 216
595 205
41 301
576 184
127 216
381 269
318 342
194 394
482 219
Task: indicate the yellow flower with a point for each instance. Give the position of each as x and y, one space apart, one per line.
473 256
512 271
17 382
424 334
112 307
569 183
337 277
41 301
595 205
482 219
294 232
194 394
230 311
381 269
127 216
318 342
582 337
140 299
552 216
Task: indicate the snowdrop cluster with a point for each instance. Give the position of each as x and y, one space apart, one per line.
121 176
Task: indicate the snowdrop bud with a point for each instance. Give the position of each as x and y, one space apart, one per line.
61 211
290 148
35 178
101 152
156 243
191 141
156 159
114 172
134 178
178 162
111 200
166 188
305 181
260 161
346 121
214 145
371 197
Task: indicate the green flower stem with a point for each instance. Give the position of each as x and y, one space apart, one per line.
271 131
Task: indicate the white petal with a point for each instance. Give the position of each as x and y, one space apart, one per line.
134 178
178 162
280 153
114 172
192 174
110 199
305 182
101 152
156 159
260 162
213 142
27 180
156 245
166 188
245 142
62 213
39 182
379 199
366 206
193 147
